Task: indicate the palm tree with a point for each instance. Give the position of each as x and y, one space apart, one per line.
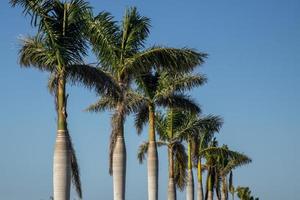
229 162
166 90
195 126
121 52
201 142
58 48
244 193
219 162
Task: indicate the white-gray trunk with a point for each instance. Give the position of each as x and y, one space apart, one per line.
119 169
223 195
210 195
171 189
199 191
61 167
190 185
152 171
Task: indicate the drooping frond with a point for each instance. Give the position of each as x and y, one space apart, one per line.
142 151
37 9
237 159
168 58
141 117
161 127
134 102
104 103
180 169
104 35
35 52
93 78
135 29
75 168
52 83
179 101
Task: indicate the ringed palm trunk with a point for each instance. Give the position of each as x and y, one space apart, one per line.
200 186
62 152
152 158
171 183
190 177
224 193
210 194
119 159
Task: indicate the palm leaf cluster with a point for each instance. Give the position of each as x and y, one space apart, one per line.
150 82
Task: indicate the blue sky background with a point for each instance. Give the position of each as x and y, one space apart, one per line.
254 77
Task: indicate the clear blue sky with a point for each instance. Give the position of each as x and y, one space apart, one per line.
254 78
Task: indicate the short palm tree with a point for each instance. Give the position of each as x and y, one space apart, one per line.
58 48
121 52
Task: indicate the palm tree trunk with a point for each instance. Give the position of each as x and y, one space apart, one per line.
210 194
190 177
171 184
152 158
119 157
62 154
200 186
119 169
224 192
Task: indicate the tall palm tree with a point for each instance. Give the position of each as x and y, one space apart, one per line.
121 52
166 90
58 48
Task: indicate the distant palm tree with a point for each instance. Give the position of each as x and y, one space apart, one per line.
121 52
58 48
228 162
196 126
244 193
162 89
201 142
219 162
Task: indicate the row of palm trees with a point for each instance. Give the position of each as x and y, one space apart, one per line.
129 78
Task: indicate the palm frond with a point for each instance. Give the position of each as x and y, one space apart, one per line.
180 169
35 52
179 101
74 168
183 59
141 117
168 84
142 151
104 103
104 35
135 29
93 78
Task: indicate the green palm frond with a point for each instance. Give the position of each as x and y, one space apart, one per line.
93 78
179 101
142 151
183 59
104 103
135 29
74 168
168 83
35 52
180 169
104 35
141 117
